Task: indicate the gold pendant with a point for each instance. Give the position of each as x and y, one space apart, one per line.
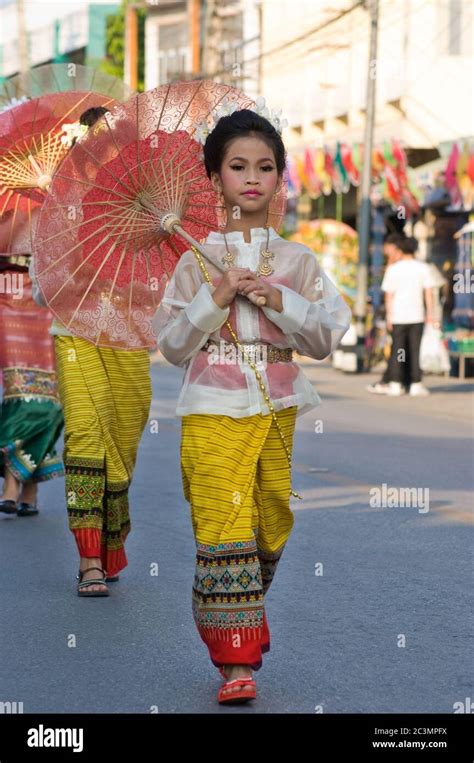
264 268
228 259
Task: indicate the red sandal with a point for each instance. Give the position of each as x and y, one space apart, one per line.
239 696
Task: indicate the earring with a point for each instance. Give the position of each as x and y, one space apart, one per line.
221 209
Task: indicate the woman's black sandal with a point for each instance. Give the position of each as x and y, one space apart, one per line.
27 509
108 579
8 507
83 585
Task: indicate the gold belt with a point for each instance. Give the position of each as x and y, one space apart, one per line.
260 351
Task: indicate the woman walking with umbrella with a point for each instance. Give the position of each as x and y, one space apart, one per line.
106 396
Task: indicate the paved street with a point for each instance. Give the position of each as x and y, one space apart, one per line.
390 574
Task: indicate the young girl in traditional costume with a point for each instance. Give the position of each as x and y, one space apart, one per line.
242 390
106 397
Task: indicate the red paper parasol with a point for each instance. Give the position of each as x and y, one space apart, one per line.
31 149
108 231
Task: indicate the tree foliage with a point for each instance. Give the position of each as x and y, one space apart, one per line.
115 44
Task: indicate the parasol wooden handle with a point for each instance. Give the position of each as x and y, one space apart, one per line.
172 225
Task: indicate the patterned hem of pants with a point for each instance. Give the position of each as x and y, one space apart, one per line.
237 480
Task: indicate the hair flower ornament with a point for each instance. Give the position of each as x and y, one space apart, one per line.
226 109
72 130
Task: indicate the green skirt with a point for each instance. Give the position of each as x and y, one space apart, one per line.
29 428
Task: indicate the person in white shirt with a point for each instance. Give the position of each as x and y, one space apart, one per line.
239 406
408 284
393 254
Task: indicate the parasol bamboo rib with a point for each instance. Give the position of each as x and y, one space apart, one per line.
169 162
111 250
135 187
130 294
73 249
81 264
139 167
96 274
102 167
176 126
92 185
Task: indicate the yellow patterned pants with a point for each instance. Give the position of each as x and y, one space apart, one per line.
237 480
106 396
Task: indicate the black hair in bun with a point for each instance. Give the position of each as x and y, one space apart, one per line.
241 124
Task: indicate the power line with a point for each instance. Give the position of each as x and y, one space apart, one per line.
291 54
295 40
363 24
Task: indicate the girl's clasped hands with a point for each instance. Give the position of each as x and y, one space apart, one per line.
243 281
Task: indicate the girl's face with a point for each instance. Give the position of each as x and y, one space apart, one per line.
248 165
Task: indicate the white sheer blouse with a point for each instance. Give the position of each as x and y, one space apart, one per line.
314 319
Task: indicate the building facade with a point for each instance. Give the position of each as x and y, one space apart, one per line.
74 30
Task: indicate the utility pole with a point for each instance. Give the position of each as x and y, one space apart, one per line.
194 15
365 210
130 74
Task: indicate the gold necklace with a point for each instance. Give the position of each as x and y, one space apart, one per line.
264 267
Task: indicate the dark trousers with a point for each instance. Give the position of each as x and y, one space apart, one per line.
387 376
406 337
